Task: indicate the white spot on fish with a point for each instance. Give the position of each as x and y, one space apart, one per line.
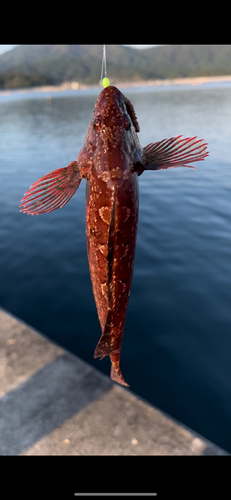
103 250
127 214
105 176
104 213
104 289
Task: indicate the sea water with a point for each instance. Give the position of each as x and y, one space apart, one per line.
176 349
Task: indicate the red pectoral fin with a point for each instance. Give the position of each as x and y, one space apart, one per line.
52 191
174 152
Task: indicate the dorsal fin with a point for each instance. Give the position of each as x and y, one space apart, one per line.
111 236
106 344
131 112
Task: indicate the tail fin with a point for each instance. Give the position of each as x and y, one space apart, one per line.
105 347
52 191
116 374
174 152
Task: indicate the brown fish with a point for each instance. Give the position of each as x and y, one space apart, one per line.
111 161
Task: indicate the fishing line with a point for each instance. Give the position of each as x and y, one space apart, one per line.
104 81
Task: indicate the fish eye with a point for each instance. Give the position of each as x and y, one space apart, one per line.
127 123
97 123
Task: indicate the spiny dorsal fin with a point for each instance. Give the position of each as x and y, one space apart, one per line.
131 112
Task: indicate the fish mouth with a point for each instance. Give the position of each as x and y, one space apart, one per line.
111 90
109 109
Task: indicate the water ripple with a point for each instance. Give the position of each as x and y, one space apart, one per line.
177 343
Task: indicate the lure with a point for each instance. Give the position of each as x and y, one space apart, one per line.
111 161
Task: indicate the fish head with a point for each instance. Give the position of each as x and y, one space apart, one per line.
112 135
114 115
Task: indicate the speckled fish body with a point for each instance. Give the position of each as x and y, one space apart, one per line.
112 215
111 161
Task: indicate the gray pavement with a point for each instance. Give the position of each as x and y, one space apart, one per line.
54 403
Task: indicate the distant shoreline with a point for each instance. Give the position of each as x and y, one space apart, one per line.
195 81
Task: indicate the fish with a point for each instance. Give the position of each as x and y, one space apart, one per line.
111 160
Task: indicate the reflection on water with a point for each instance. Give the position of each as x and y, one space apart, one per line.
177 340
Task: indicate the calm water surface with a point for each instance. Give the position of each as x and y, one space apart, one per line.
176 349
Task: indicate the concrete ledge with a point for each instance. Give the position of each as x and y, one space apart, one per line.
53 403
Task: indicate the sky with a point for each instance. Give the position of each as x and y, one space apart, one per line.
5 48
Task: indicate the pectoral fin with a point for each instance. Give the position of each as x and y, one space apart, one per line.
52 191
174 152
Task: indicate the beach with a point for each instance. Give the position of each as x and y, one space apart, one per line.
196 81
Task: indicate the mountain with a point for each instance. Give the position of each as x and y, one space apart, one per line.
30 65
